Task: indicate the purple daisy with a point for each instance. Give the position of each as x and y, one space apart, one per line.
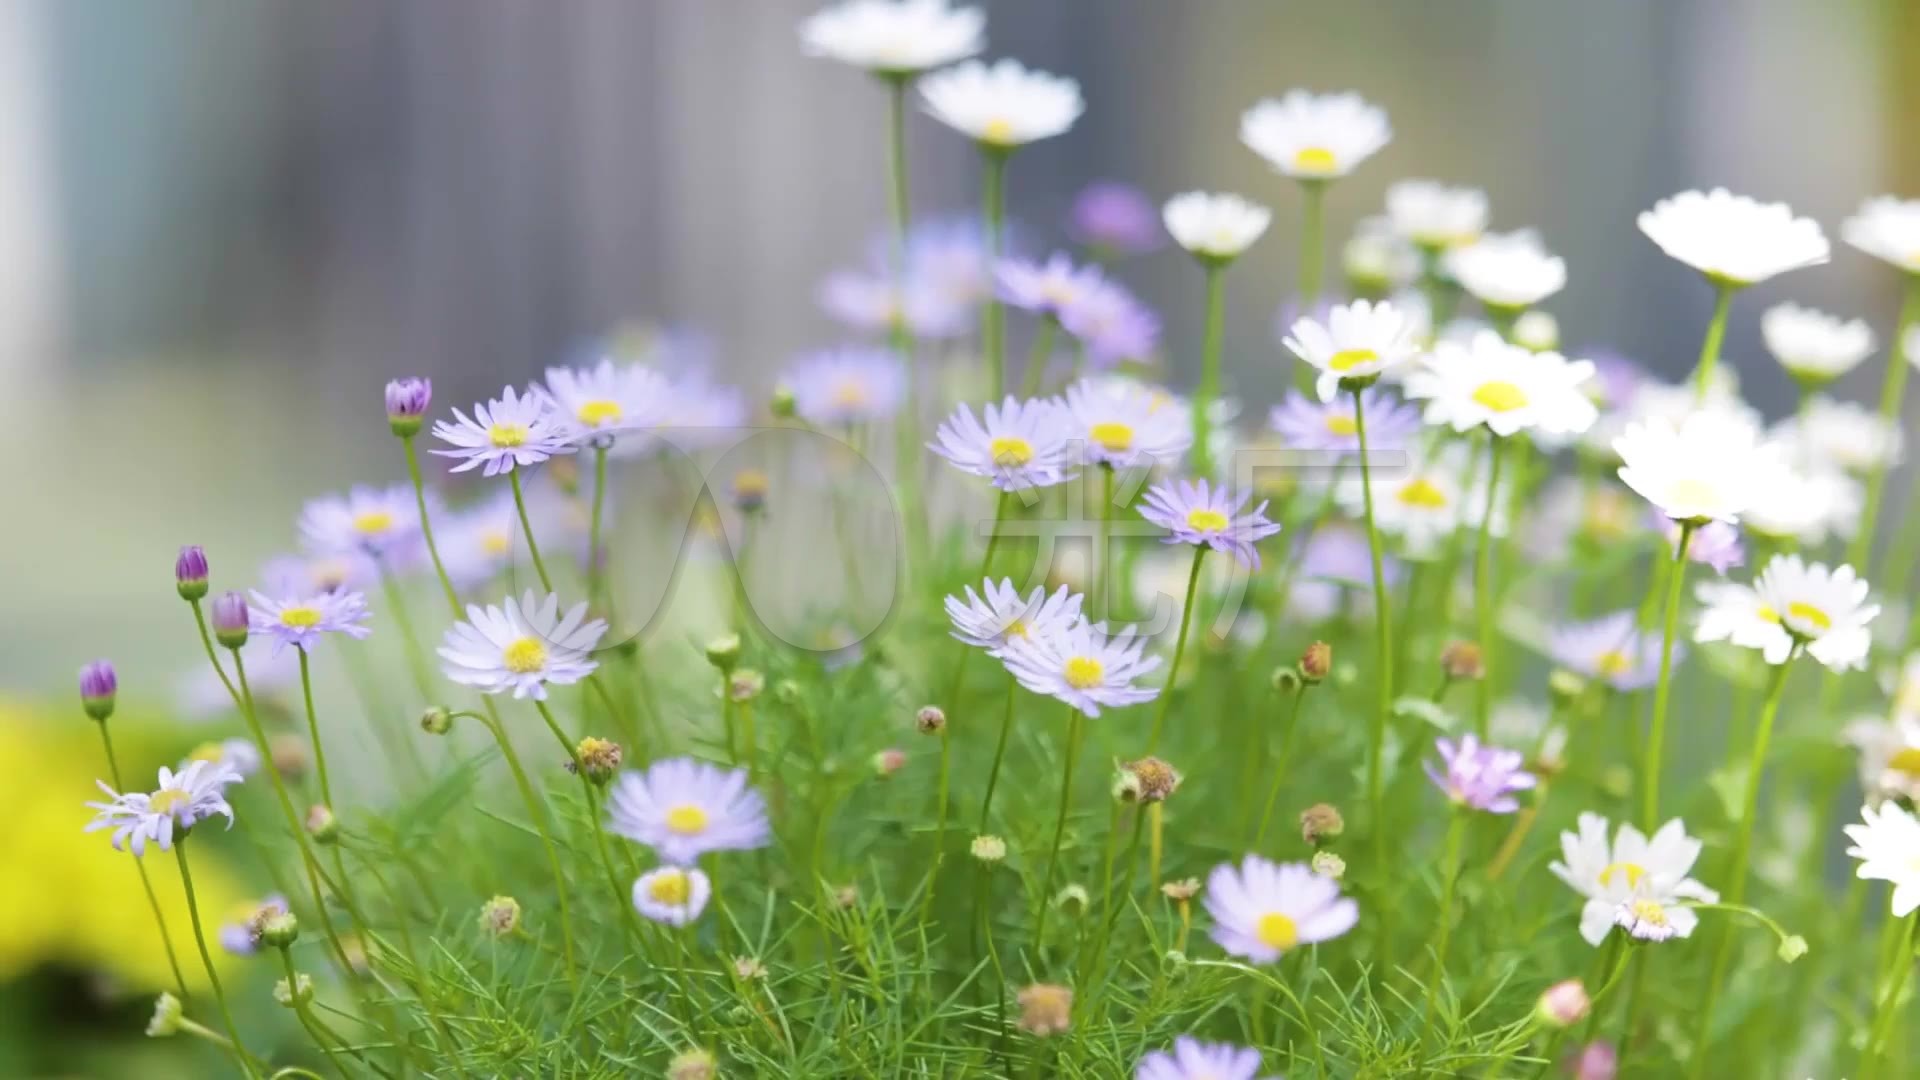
512 431
300 619
1045 288
683 808
1191 1059
1213 515
1716 544
1115 219
1305 423
1610 648
1480 777
949 258
1017 445
871 301
1112 324
841 387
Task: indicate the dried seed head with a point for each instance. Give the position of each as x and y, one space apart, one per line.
745 684
1329 865
1320 823
1462 661
302 987
749 968
988 849
167 1014
1317 662
930 720
599 759
693 1065
289 754
500 916
1181 891
275 927
846 896
1045 1009
1155 778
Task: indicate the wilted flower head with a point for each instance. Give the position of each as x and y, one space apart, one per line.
1002 106
1480 777
167 1015
1314 136
598 759
1153 779
1181 890
241 935
178 802
1115 219
1210 516
1045 1009
1731 238
1316 663
1463 661
683 808
930 720
1320 823
893 37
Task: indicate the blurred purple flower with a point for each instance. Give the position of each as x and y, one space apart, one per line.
1115 220
1479 777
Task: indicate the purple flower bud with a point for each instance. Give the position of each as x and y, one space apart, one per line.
98 684
1116 219
407 401
230 619
190 572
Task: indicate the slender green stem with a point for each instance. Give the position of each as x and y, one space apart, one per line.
1443 929
993 198
417 665
1893 389
426 524
1179 650
1383 645
1662 690
146 883
1059 829
1742 845
313 730
999 754
1037 357
206 641
1210 345
1102 573
303 1009
595 565
1887 1008
536 812
213 974
907 452
1710 345
939 823
1483 587
1280 767
526 529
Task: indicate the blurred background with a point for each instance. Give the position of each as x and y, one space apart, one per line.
224 223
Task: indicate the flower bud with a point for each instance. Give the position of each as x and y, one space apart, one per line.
98 685
230 619
1565 686
167 1014
750 490
1461 661
782 405
1285 680
1182 890
846 896
1045 1009
1126 786
930 720
1316 662
1072 901
1329 865
278 928
889 761
787 692
988 849
436 720
299 994
321 824
597 760
1597 1061
1563 1004
190 572
289 755
1320 823
407 401
745 684
1155 778
723 652
693 1065
1792 947
500 916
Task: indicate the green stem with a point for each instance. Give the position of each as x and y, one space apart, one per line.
1037 356
1059 829
313 730
146 883
1742 846
1710 346
1280 767
303 1010
594 567
1102 573
213 975
426 525
537 814
1383 645
993 198
907 452
939 825
1662 690
1443 932
1179 649
1483 588
1209 387
1887 1009
1893 391
999 754
526 528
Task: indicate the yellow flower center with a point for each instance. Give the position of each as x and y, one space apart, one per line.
525 656
300 616
166 802
1422 493
1341 424
687 819
1650 911
1613 662
1112 435
207 751
1500 396
1206 520
1807 613
1018 628
1633 872
1314 159
506 436
1767 614
1084 672
1277 931
495 541
1010 450
1348 359
373 521
1688 491
998 131
329 574
598 411
670 887
1906 760
851 393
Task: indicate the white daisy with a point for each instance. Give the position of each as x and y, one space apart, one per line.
1436 215
1361 341
1732 239
1792 603
1002 106
1215 226
1123 423
609 403
366 519
1082 666
179 802
512 431
1424 501
1806 502
1632 882
1888 847
1378 258
522 646
1315 136
998 614
893 37
1261 910
1841 434
1508 271
1710 468
674 895
1889 756
1887 229
1505 387
1813 345
1017 445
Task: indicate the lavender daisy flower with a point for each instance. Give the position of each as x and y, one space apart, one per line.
1192 1059
841 387
1262 909
478 542
179 802
950 259
872 301
1213 515
1115 219
608 404
1610 648
683 808
366 519
672 895
703 412
1082 666
1022 444
512 431
1112 324
1004 615
521 646
1306 424
301 618
1716 544
1123 424
342 571
1045 288
1480 777
240 934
